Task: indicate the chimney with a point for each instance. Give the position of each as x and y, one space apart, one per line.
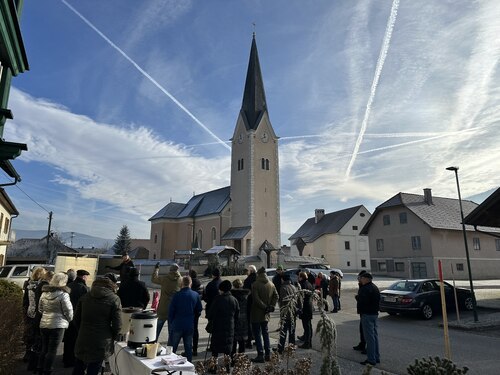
318 214
428 196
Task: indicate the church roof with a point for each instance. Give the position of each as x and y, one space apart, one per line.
236 233
254 98
209 203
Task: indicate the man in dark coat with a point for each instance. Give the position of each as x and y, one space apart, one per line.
223 313
264 298
287 304
133 292
211 290
123 267
78 289
98 319
241 329
362 343
185 305
306 311
247 284
196 287
368 303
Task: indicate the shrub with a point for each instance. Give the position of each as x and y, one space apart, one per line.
435 366
11 326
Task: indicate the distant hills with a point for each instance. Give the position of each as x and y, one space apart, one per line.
72 239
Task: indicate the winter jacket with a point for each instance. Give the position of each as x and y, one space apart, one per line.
264 296
247 284
224 313
287 292
55 307
133 293
306 306
368 299
78 289
196 285
334 286
211 291
241 328
184 306
170 284
123 267
98 320
32 302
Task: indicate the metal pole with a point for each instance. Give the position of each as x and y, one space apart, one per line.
474 309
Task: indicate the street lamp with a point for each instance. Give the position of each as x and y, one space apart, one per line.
474 309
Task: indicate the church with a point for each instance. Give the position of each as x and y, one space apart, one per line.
244 215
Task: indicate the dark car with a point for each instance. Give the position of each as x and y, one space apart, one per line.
421 297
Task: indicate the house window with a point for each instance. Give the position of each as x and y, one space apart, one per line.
363 263
497 244
382 266
214 236
399 266
348 264
347 245
267 164
6 227
242 166
386 219
415 243
156 238
476 244
460 266
354 227
380 244
263 163
1 220
403 219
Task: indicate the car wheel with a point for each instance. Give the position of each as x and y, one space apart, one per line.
427 312
468 303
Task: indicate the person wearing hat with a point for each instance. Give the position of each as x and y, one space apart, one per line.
278 278
368 306
241 329
212 289
223 314
78 288
288 307
133 292
170 284
264 298
334 290
362 343
123 267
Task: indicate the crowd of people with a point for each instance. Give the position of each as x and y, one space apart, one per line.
62 307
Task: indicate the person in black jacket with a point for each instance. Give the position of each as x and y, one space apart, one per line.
368 302
362 343
195 286
247 284
123 267
211 290
78 289
306 311
133 292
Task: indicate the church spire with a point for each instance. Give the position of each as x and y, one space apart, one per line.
254 97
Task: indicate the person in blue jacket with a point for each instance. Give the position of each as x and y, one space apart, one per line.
185 305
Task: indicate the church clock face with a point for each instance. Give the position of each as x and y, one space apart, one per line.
240 138
264 137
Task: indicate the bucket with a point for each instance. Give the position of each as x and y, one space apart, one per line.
142 328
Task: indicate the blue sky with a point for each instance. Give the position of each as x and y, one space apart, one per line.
128 104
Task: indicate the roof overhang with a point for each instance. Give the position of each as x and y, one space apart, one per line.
487 214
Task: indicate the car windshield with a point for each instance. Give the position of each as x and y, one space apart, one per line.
4 271
404 285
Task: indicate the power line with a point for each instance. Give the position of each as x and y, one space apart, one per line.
38 204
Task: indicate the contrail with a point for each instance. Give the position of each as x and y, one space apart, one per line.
145 74
378 70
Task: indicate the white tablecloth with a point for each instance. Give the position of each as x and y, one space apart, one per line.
125 362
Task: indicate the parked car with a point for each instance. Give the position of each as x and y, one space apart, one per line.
316 268
293 272
421 297
19 273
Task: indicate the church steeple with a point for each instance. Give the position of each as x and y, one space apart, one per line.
254 97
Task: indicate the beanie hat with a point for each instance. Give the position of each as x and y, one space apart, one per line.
261 270
174 267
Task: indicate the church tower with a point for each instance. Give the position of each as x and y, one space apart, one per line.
255 209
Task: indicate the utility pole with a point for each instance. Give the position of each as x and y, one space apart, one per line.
72 236
48 236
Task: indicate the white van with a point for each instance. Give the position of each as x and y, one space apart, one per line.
19 273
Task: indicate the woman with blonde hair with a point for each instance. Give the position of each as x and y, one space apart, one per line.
57 311
30 305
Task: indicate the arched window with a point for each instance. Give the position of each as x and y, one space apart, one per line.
267 164
200 242
214 236
156 238
263 161
241 164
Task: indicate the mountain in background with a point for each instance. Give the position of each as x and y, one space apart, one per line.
73 239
